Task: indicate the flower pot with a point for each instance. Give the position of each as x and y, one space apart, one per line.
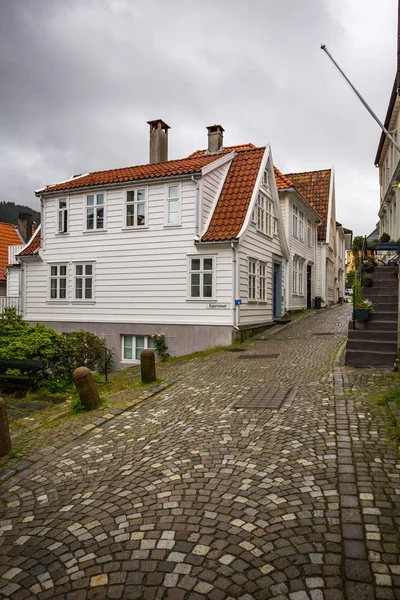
368 283
361 314
360 324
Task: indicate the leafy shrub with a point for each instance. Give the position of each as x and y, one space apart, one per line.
81 349
160 345
385 237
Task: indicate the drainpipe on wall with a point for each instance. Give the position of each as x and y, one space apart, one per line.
197 207
235 271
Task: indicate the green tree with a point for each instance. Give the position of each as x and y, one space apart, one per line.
350 278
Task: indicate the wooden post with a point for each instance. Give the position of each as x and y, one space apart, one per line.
148 366
5 440
87 388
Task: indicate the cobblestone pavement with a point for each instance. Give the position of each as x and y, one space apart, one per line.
191 495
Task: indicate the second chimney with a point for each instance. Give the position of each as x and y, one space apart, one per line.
215 138
25 226
158 141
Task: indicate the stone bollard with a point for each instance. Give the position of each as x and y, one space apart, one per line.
148 366
86 387
5 440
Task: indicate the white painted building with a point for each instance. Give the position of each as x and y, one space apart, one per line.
301 222
194 248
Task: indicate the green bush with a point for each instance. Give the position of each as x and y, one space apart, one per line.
81 349
385 237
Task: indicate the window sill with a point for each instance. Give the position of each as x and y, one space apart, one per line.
266 235
135 228
83 301
201 300
130 361
172 226
61 233
54 301
91 231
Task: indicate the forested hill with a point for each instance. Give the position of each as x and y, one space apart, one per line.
9 212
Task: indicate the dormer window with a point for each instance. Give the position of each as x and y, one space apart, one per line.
62 215
266 179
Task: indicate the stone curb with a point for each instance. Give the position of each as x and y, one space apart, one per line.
19 465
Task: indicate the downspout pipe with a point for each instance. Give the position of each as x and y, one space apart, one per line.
197 208
235 309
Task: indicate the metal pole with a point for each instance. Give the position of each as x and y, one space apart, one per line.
369 109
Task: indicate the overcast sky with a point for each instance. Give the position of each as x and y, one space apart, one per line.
80 78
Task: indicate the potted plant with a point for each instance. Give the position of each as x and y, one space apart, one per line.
367 281
368 266
362 310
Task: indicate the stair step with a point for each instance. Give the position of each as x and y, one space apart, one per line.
369 358
382 326
379 336
383 316
387 290
385 306
371 345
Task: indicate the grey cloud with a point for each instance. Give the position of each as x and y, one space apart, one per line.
80 78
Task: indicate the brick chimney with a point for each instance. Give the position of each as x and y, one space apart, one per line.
158 141
215 138
25 226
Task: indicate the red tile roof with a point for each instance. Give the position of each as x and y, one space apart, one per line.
233 203
226 150
33 245
282 182
8 237
314 186
172 167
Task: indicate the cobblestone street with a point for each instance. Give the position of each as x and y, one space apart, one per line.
251 478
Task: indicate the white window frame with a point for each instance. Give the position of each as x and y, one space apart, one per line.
135 203
58 277
63 215
261 212
262 281
301 277
148 343
269 216
202 272
301 225
95 208
275 226
295 268
309 232
173 199
252 280
295 220
83 276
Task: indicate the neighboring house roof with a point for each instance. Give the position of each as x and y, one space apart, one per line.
282 182
374 235
8 237
314 186
225 150
33 245
183 166
233 203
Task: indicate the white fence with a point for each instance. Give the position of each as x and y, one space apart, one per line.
9 301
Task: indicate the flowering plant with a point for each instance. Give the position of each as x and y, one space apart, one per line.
160 345
365 305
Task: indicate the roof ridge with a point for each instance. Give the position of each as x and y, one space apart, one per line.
307 172
165 162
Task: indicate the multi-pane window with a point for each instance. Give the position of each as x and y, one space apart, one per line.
265 179
261 213
262 295
301 226
95 211
301 277
133 346
275 226
173 205
269 218
309 238
58 282
84 282
295 273
295 221
136 207
252 280
201 278
62 215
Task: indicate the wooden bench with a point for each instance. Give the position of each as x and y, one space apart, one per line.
30 372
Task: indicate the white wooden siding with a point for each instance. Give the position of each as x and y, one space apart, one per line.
211 185
141 275
13 286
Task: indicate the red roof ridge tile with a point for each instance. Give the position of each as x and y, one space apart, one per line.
224 150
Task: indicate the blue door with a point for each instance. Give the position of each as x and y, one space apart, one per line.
277 291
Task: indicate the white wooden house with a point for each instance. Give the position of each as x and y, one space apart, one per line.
194 248
301 222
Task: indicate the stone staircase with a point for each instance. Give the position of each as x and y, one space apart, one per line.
376 345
